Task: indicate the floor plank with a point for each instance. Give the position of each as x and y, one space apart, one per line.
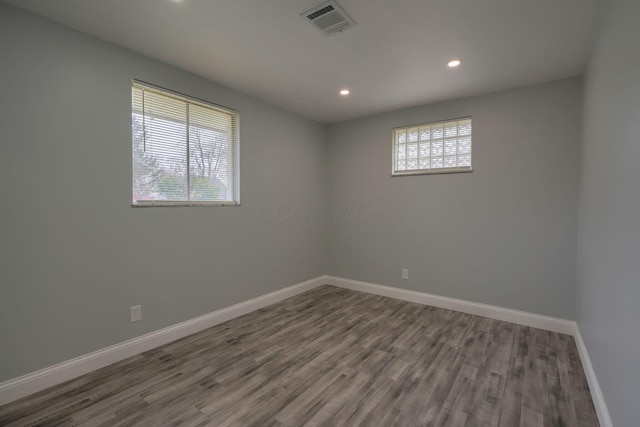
332 357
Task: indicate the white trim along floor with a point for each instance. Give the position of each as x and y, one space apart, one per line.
28 384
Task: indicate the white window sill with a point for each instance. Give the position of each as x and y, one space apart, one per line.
170 204
431 172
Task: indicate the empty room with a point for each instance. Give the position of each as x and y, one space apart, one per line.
306 213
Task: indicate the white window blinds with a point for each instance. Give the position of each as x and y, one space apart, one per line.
184 150
440 147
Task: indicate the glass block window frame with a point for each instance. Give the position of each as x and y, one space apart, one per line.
433 148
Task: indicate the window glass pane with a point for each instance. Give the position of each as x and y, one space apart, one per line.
437 131
450 129
443 146
464 127
464 160
412 150
425 149
436 148
182 151
413 134
402 151
402 136
450 146
464 145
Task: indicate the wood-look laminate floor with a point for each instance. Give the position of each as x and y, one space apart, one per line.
333 357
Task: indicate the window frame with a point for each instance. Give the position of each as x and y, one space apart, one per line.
430 171
235 150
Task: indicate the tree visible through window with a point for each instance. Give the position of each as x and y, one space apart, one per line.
184 150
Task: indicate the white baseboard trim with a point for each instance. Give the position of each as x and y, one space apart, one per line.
548 323
31 383
553 324
596 393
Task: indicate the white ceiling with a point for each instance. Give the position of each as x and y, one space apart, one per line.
395 57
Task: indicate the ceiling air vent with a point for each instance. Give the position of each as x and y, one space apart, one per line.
329 18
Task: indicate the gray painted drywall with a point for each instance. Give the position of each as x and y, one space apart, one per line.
608 290
74 255
504 234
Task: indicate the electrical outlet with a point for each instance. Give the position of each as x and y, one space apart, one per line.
135 313
405 274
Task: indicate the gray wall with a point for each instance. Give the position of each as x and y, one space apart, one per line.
609 234
74 255
504 234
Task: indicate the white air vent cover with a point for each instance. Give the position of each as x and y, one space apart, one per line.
329 18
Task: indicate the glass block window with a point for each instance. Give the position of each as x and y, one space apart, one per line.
439 147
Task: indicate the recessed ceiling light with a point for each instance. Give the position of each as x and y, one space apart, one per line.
454 63
344 92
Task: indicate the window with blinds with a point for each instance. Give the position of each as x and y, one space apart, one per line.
185 151
439 147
